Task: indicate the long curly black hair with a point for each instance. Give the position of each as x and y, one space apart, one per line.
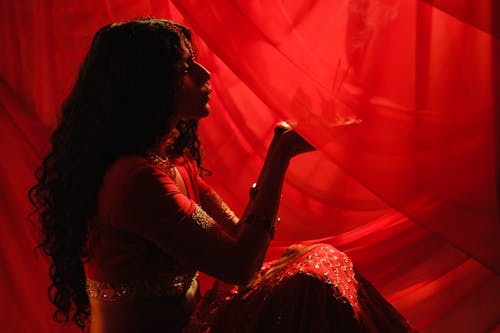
120 104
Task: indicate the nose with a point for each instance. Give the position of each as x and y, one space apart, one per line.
204 73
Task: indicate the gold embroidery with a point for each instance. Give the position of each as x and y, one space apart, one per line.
164 164
202 219
119 291
218 204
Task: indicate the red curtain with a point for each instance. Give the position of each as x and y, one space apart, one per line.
398 97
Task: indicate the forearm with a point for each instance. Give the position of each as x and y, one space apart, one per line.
271 178
257 222
256 227
267 193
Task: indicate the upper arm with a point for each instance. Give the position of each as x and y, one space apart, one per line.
154 208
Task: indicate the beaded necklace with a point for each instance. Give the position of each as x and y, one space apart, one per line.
164 164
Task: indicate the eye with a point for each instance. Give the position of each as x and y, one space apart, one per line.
188 65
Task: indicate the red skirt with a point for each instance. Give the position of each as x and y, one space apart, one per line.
309 289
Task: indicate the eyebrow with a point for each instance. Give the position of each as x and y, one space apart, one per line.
193 50
190 54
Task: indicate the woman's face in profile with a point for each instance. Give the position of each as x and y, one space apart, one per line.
192 95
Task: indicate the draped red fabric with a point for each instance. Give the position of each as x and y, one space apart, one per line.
398 96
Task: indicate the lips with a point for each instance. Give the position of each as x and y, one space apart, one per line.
206 94
206 89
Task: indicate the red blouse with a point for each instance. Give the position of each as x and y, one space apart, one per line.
141 226
148 239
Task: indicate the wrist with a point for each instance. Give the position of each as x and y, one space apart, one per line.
283 154
265 222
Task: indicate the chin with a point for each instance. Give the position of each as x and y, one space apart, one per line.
198 114
206 110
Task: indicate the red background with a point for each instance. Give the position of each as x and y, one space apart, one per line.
398 96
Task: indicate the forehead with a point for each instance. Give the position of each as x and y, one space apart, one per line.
186 49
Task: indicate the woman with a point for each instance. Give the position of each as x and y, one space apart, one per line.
128 222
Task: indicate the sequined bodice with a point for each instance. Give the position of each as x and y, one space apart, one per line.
175 287
124 263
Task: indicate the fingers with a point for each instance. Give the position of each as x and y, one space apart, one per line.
302 147
281 128
289 140
284 125
295 144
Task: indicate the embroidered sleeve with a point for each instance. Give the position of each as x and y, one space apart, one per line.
219 210
202 219
154 209
213 204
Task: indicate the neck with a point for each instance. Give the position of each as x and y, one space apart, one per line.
161 147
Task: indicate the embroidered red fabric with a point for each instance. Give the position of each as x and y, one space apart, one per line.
309 289
409 192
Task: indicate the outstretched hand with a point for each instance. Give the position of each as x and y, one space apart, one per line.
289 141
